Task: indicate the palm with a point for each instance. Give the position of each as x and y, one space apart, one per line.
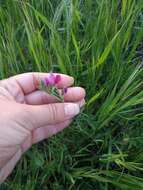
23 89
17 133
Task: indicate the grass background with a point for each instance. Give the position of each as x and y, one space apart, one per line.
99 42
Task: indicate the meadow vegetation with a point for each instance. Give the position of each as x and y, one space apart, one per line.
99 43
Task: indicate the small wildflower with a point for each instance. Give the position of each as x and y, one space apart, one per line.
57 79
49 85
52 79
64 91
46 82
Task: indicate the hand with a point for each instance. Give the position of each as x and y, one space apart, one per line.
28 115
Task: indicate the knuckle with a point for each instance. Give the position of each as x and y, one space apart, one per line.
53 112
56 113
27 118
13 90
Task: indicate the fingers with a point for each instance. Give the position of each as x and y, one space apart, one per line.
42 133
28 82
52 113
48 131
38 97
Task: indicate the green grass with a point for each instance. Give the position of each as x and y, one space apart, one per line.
99 42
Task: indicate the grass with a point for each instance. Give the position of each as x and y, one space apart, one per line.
99 42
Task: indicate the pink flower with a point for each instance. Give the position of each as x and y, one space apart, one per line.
64 91
52 79
49 85
57 79
46 81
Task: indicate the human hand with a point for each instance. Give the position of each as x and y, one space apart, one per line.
28 115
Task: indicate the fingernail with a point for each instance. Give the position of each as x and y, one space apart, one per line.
82 103
71 109
72 79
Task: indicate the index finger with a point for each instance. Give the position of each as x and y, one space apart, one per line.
29 82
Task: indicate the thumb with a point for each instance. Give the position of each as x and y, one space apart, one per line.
42 115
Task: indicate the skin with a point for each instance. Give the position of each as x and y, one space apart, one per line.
28 115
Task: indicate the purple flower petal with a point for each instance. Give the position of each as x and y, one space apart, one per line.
57 79
64 91
51 79
46 81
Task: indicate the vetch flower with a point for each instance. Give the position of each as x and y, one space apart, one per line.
52 79
49 85
64 91
57 79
